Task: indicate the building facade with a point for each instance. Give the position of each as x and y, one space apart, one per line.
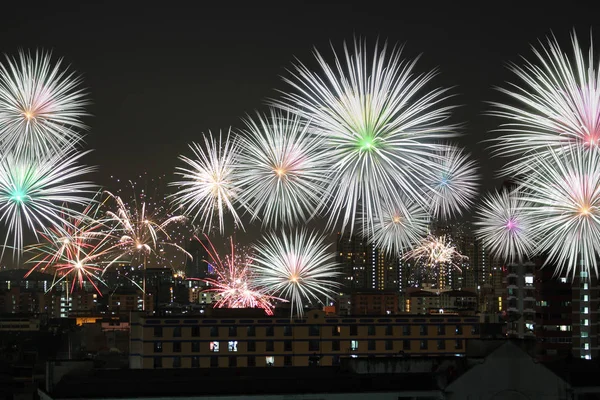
585 303
206 341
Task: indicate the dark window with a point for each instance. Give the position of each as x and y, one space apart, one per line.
313 330
371 330
424 344
195 362
441 330
335 345
353 330
336 330
195 347
214 361
313 345
270 331
251 331
423 330
270 345
158 347
157 362
176 347
475 330
336 360
287 361
287 330
232 361
251 345
251 361
176 362
214 331
195 331
177 331
406 330
441 345
389 345
158 332
313 361
458 330
459 344
406 344
233 331
287 345
371 345
389 330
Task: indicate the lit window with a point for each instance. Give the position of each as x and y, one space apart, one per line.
586 322
585 286
585 297
232 345
584 334
586 310
584 274
354 345
214 347
563 280
270 360
563 328
588 357
529 280
586 346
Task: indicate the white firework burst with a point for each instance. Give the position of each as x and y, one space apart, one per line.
37 193
209 188
398 227
564 192
282 168
41 105
435 251
505 226
559 105
297 267
454 182
376 121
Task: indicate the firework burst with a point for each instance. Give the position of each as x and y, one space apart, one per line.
395 229
563 190
454 182
560 106
297 267
234 282
505 227
375 121
209 185
282 168
41 105
435 251
34 193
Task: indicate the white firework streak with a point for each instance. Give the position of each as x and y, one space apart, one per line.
505 226
209 185
376 124
395 230
41 105
296 267
564 192
560 106
282 169
37 193
454 183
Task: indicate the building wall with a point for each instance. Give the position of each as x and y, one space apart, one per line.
585 303
192 341
520 300
374 303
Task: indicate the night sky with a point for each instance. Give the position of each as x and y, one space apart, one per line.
159 75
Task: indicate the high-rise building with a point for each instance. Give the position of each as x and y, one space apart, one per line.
585 303
520 299
197 266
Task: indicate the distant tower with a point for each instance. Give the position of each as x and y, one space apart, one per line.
197 267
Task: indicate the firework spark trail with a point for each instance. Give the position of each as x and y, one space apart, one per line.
235 282
34 193
296 267
282 168
454 182
505 226
560 106
41 106
377 125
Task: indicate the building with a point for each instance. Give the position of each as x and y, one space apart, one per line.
218 340
553 316
520 300
123 301
374 302
197 266
358 261
585 303
83 303
428 301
